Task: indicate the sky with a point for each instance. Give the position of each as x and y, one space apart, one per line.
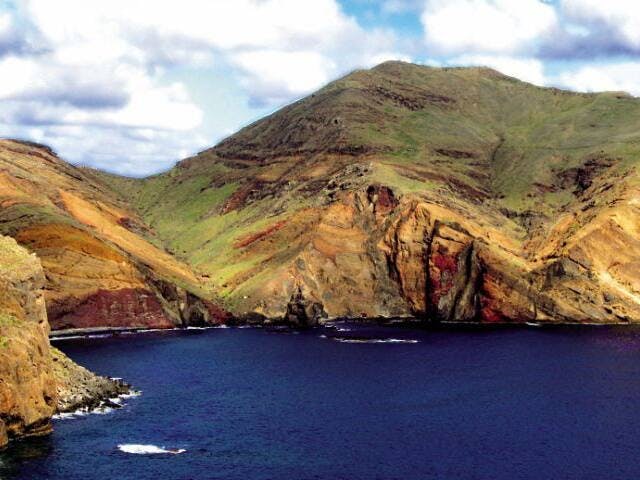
132 86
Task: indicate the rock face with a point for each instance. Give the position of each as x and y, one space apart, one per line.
27 385
303 313
35 380
104 267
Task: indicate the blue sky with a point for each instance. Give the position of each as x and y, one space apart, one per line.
132 86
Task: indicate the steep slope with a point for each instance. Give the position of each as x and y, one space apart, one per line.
454 194
104 267
27 387
35 380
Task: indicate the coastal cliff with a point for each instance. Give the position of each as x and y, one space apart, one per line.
28 395
35 380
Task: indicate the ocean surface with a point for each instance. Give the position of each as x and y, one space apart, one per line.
375 403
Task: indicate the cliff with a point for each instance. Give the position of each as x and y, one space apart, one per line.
35 380
27 389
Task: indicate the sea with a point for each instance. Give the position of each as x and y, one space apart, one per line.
352 402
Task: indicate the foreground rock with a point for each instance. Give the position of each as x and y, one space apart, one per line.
27 383
36 381
80 389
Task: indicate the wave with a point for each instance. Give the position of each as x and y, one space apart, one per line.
104 408
138 449
75 337
374 340
131 394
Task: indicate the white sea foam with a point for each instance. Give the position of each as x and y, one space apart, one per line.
343 329
66 415
103 409
70 337
75 337
375 340
148 449
131 394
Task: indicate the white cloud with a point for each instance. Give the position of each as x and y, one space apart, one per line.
607 77
274 75
620 17
527 69
98 84
294 35
485 26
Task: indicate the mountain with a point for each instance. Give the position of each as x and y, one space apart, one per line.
455 194
103 265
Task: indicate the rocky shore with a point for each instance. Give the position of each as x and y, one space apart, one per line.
81 389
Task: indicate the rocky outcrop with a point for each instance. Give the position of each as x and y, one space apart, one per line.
80 389
184 308
35 380
302 313
114 308
27 383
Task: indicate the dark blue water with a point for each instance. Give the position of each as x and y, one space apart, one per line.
462 404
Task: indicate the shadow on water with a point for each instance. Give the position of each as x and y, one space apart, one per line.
23 451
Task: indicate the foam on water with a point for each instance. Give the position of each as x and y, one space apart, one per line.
102 409
139 449
374 340
75 337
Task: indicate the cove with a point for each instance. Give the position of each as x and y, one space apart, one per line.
448 403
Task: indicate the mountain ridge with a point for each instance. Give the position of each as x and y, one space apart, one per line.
403 190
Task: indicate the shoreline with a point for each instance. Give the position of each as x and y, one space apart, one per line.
98 332
115 331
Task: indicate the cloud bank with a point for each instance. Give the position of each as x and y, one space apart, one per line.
104 82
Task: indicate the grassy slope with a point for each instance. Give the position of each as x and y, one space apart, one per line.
491 143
